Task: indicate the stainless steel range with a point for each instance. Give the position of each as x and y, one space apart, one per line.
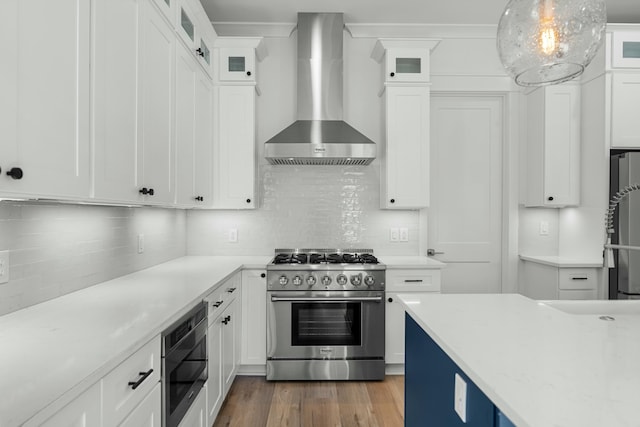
325 315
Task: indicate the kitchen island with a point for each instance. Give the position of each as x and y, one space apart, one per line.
538 364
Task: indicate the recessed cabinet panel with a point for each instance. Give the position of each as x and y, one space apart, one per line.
44 112
625 105
234 155
626 49
406 179
237 64
553 146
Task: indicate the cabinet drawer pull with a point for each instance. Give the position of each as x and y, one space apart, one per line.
579 278
217 304
231 290
412 280
15 173
135 384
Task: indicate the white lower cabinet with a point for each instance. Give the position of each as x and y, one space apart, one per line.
196 416
148 413
547 282
84 411
254 318
223 338
401 281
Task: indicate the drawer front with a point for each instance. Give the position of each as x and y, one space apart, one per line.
224 294
417 280
142 371
577 278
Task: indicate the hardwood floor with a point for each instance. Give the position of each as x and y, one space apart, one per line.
254 402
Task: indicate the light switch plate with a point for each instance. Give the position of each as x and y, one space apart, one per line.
394 234
4 266
460 398
233 235
544 228
404 234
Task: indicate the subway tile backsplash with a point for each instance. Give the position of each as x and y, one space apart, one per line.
306 206
60 248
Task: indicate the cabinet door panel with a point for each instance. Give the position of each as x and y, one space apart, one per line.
625 104
47 108
115 101
148 413
156 83
407 148
235 148
394 330
84 411
203 139
254 309
186 75
214 382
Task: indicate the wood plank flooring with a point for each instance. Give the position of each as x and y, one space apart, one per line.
254 402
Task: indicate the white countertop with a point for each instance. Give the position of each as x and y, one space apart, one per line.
66 344
539 365
409 262
563 261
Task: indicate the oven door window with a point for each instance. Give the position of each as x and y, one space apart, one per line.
185 374
324 324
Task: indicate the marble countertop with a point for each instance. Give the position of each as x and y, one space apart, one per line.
52 351
409 262
563 261
539 365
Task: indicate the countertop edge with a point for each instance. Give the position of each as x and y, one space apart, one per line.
562 262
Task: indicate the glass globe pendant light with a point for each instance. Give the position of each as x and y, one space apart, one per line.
542 42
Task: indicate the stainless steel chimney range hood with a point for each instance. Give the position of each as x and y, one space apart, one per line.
320 136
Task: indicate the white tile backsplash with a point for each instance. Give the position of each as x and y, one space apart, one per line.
60 248
307 206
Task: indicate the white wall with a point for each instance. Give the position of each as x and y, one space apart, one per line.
55 249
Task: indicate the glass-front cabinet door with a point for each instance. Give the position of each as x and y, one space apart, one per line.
166 7
626 49
187 26
407 65
237 64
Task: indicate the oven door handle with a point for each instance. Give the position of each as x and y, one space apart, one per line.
326 299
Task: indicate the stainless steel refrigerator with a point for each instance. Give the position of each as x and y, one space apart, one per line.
624 279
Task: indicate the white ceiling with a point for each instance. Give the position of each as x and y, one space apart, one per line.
387 11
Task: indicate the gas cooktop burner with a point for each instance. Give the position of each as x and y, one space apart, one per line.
325 257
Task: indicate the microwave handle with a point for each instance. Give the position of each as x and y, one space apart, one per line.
326 299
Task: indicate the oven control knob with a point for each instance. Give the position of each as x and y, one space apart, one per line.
342 279
369 280
311 280
326 280
356 280
297 280
283 280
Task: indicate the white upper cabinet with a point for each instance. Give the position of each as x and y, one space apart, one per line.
404 60
167 7
44 101
156 148
405 177
405 89
186 25
625 105
237 64
553 146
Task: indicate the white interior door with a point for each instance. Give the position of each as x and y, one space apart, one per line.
465 217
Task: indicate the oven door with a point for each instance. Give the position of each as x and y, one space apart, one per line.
325 325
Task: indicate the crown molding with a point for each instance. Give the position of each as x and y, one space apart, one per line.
255 29
437 31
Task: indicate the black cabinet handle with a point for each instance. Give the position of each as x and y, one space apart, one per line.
225 321
231 290
392 200
412 280
217 304
135 384
550 198
248 73
263 275
199 198
579 278
248 200
200 52
392 74
390 299
146 191
15 173
151 191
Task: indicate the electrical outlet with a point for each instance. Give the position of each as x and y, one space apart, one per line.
394 234
233 235
140 243
544 228
4 266
460 398
404 234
